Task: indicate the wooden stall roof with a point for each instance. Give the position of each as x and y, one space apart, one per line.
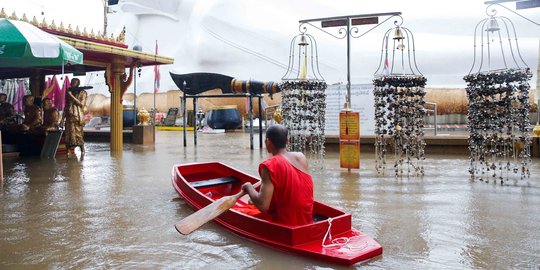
103 53
95 57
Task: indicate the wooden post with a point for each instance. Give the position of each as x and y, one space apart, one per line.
260 122
194 121
538 89
251 121
37 83
1 165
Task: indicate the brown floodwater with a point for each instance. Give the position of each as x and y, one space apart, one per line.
118 212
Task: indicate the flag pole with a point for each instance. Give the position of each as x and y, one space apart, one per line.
156 87
154 110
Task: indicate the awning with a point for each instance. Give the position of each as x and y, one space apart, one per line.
24 45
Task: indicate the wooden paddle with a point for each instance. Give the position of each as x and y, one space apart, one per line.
211 211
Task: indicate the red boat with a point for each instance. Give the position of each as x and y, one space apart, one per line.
203 183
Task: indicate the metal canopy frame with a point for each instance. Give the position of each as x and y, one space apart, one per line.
348 32
520 4
533 4
184 98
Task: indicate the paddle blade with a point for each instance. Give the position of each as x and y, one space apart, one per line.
202 216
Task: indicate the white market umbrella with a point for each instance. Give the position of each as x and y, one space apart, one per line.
24 45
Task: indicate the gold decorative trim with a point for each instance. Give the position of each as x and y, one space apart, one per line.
34 21
53 26
44 24
69 29
13 16
120 38
105 48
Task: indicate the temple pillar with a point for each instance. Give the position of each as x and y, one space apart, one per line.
118 82
117 69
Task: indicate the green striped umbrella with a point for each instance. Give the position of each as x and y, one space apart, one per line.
24 45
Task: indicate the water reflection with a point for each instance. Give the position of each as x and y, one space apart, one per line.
485 221
108 211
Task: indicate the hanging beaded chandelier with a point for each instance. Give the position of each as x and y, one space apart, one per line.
399 105
303 102
498 92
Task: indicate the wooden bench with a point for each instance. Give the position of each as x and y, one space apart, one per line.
215 182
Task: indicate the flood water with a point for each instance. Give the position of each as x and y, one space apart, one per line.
110 212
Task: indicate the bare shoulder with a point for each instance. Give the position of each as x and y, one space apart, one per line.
299 160
298 155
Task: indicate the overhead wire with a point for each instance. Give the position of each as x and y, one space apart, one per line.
244 49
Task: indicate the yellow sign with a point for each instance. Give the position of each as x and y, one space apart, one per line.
349 125
349 154
349 139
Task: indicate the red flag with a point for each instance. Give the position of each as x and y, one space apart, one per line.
386 67
60 100
156 74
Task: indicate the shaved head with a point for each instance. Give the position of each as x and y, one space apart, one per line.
277 134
